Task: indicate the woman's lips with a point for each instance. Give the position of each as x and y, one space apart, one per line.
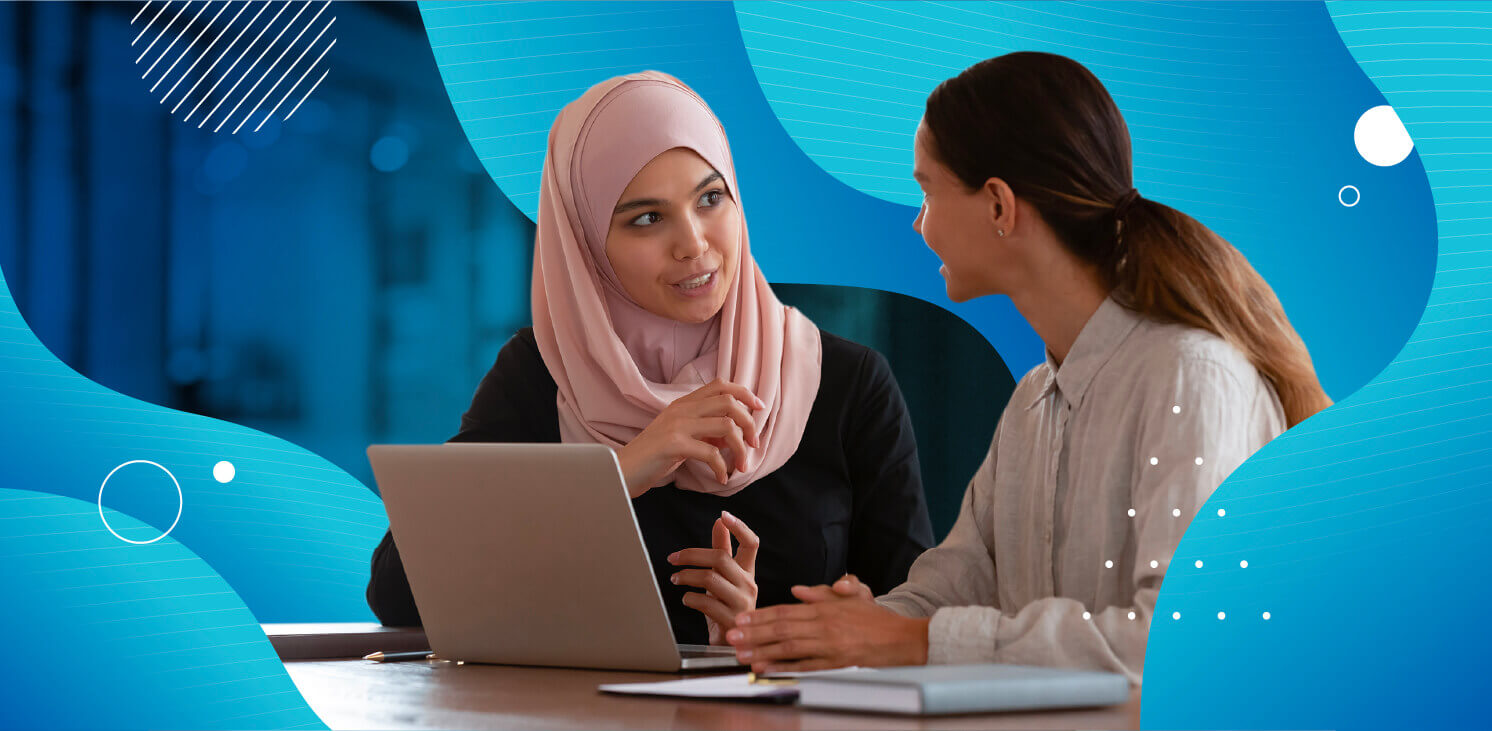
697 286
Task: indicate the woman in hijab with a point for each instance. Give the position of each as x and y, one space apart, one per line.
1169 361
656 334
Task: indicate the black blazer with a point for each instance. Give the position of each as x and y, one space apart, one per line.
849 500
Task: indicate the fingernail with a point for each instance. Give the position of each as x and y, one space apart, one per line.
734 635
743 619
674 578
744 655
673 557
726 514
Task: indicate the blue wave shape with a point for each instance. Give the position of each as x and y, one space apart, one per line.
105 634
291 532
1365 529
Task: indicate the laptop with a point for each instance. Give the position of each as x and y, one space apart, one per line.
529 554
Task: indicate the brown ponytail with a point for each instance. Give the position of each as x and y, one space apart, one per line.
1046 126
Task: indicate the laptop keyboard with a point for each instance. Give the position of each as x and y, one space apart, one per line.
692 651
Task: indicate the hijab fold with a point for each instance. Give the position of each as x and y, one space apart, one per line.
617 365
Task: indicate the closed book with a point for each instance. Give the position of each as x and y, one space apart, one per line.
940 689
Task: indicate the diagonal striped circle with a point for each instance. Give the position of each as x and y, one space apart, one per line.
236 60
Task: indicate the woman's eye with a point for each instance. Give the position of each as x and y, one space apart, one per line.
711 198
646 219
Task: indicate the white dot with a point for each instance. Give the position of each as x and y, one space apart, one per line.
1131 615
1221 512
1243 564
1199 563
1154 564
1154 461
1199 461
1175 512
1381 138
1131 512
223 472
1266 615
1176 409
1175 615
1108 564
1222 615
1086 615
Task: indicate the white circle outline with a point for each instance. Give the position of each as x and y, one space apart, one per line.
179 501
1354 190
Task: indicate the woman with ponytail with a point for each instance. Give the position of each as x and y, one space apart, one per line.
1169 361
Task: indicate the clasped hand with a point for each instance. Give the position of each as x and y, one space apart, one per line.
715 417
835 626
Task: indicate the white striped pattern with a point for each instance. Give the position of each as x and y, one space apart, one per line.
255 40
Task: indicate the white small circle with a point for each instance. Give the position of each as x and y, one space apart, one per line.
1108 564
1131 512
1175 512
1243 564
1381 138
105 484
1087 615
1266 615
1199 563
1154 564
1356 196
1199 461
1222 615
223 472
1176 409
1131 615
1221 512
1154 461
1175 615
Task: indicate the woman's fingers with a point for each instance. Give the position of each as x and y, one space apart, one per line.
711 607
757 636
850 586
710 455
814 594
794 649
748 540
713 583
716 560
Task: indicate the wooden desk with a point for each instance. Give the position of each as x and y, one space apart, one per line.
356 694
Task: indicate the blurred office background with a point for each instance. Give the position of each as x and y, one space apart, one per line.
342 279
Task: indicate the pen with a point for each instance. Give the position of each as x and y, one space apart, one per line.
401 656
754 679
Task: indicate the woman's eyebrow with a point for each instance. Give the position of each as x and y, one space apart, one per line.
650 202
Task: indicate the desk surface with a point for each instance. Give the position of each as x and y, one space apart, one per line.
357 694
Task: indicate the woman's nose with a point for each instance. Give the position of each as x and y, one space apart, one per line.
692 242
917 222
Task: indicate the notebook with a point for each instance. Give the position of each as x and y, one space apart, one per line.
942 689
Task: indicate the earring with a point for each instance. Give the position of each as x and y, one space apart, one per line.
1000 231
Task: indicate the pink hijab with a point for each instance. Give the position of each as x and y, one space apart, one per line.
617 365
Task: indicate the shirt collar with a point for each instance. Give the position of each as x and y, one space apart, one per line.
1099 339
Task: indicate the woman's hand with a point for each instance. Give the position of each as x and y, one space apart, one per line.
697 426
729 581
837 626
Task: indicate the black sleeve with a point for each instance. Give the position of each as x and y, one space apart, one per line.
890 527
514 403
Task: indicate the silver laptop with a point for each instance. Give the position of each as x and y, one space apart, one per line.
529 554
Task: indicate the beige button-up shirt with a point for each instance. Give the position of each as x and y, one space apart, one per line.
1095 470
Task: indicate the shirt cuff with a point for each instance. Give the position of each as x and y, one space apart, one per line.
961 635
